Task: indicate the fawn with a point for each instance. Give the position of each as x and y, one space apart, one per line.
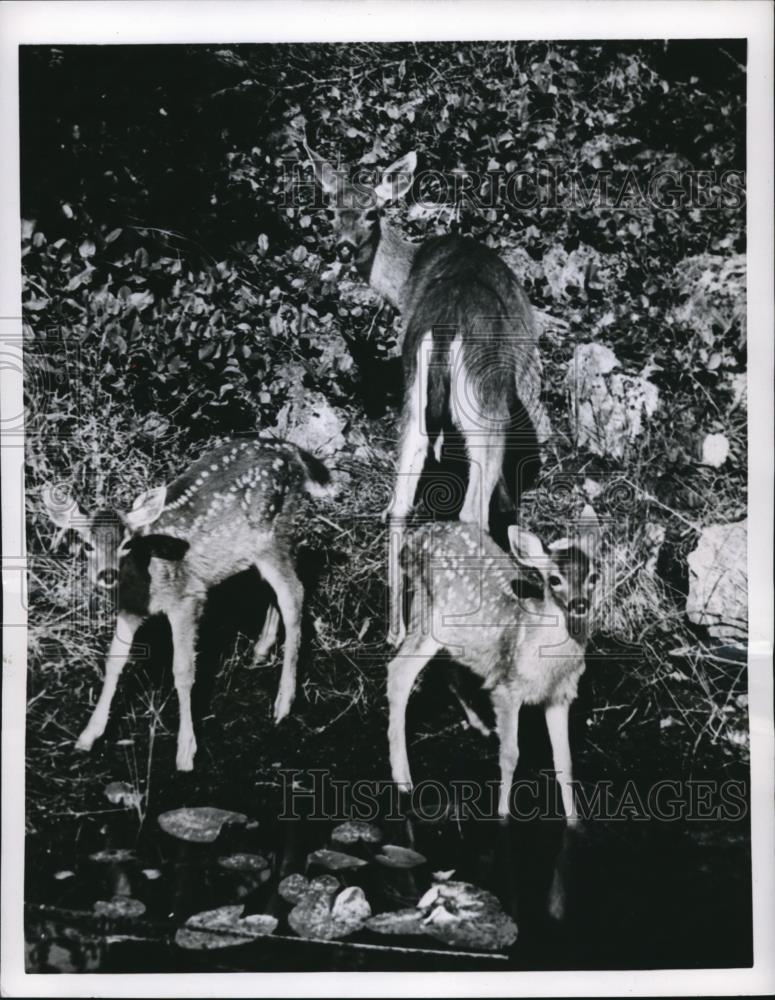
527 650
229 511
470 351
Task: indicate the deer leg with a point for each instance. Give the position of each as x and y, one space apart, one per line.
402 673
557 723
268 636
472 718
506 707
118 654
411 459
279 573
485 469
183 622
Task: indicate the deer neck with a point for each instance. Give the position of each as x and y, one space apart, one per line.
391 264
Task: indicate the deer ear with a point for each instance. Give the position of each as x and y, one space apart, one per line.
588 528
396 179
325 175
527 548
146 508
63 510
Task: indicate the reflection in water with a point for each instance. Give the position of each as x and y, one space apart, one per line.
568 889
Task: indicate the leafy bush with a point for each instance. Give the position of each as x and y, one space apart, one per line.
178 282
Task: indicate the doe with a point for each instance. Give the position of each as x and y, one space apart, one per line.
470 350
527 649
229 511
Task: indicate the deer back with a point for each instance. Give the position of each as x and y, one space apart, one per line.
481 323
491 613
230 505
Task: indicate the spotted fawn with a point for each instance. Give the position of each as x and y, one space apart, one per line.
229 511
528 649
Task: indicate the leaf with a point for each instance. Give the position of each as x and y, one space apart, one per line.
112 856
87 249
393 856
119 906
78 279
354 831
407 921
322 917
113 235
198 825
244 863
223 927
334 860
119 792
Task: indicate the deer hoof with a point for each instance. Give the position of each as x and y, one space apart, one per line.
395 637
281 708
185 757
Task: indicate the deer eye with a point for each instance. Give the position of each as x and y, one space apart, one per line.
555 580
592 579
88 547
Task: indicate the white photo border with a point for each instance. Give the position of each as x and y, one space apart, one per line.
203 21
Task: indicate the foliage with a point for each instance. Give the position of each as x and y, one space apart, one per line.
178 280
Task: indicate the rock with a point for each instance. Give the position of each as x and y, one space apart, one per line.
718 581
715 450
309 420
609 408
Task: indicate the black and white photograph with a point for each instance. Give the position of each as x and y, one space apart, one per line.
387 457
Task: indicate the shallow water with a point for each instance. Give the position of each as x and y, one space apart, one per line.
624 894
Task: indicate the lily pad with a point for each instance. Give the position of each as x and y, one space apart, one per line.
223 927
393 856
113 855
119 906
121 793
457 913
334 860
244 863
295 887
465 916
65 873
408 921
198 825
323 916
356 831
